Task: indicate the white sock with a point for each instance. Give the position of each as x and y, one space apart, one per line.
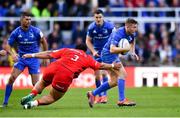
34 103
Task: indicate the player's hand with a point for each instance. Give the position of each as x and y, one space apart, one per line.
15 57
95 54
135 56
116 66
27 56
3 52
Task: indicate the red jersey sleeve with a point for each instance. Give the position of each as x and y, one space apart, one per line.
57 53
93 63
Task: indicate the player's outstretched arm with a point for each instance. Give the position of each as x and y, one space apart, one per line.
3 52
105 66
41 55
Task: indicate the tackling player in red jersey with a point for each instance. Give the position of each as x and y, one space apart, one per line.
69 64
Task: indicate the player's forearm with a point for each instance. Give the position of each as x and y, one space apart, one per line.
105 66
90 45
132 49
42 55
117 50
10 50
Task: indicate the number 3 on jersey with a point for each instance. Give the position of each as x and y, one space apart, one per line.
75 58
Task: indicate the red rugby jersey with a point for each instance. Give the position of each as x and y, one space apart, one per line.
74 60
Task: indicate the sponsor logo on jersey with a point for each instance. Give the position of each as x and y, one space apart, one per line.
20 36
31 35
94 31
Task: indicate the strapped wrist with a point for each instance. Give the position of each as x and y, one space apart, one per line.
112 65
33 55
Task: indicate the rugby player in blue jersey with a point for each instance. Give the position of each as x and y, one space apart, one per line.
97 36
109 54
28 39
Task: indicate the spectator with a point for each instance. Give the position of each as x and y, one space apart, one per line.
55 36
46 12
166 52
35 10
78 32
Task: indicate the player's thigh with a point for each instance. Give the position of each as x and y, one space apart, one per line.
113 77
122 72
48 73
98 74
56 95
62 79
33 66
19 66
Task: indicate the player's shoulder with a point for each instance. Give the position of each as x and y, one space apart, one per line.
91 26
16 31
35 29
109 24
121 30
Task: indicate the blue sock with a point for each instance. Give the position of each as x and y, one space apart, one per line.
7 93
121 89
98 83
105 79
105 86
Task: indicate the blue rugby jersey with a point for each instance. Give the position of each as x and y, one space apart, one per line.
116 36
27 41
100 34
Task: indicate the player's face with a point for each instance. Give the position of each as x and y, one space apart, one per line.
131 28
26 21
98 19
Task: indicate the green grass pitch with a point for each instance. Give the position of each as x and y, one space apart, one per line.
151 102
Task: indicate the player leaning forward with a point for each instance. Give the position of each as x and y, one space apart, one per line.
109 54
69 64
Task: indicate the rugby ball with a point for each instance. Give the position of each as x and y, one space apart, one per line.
124 44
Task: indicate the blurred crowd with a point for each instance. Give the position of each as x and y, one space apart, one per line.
158 45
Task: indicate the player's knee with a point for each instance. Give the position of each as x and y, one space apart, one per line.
34 82
98 77
12 78
113 83
124 75
55 97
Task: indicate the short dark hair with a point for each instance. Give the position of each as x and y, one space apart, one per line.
23 14
82 47
131 21
99 11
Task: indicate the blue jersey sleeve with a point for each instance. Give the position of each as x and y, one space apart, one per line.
115 38
111 27
38 33
12 38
